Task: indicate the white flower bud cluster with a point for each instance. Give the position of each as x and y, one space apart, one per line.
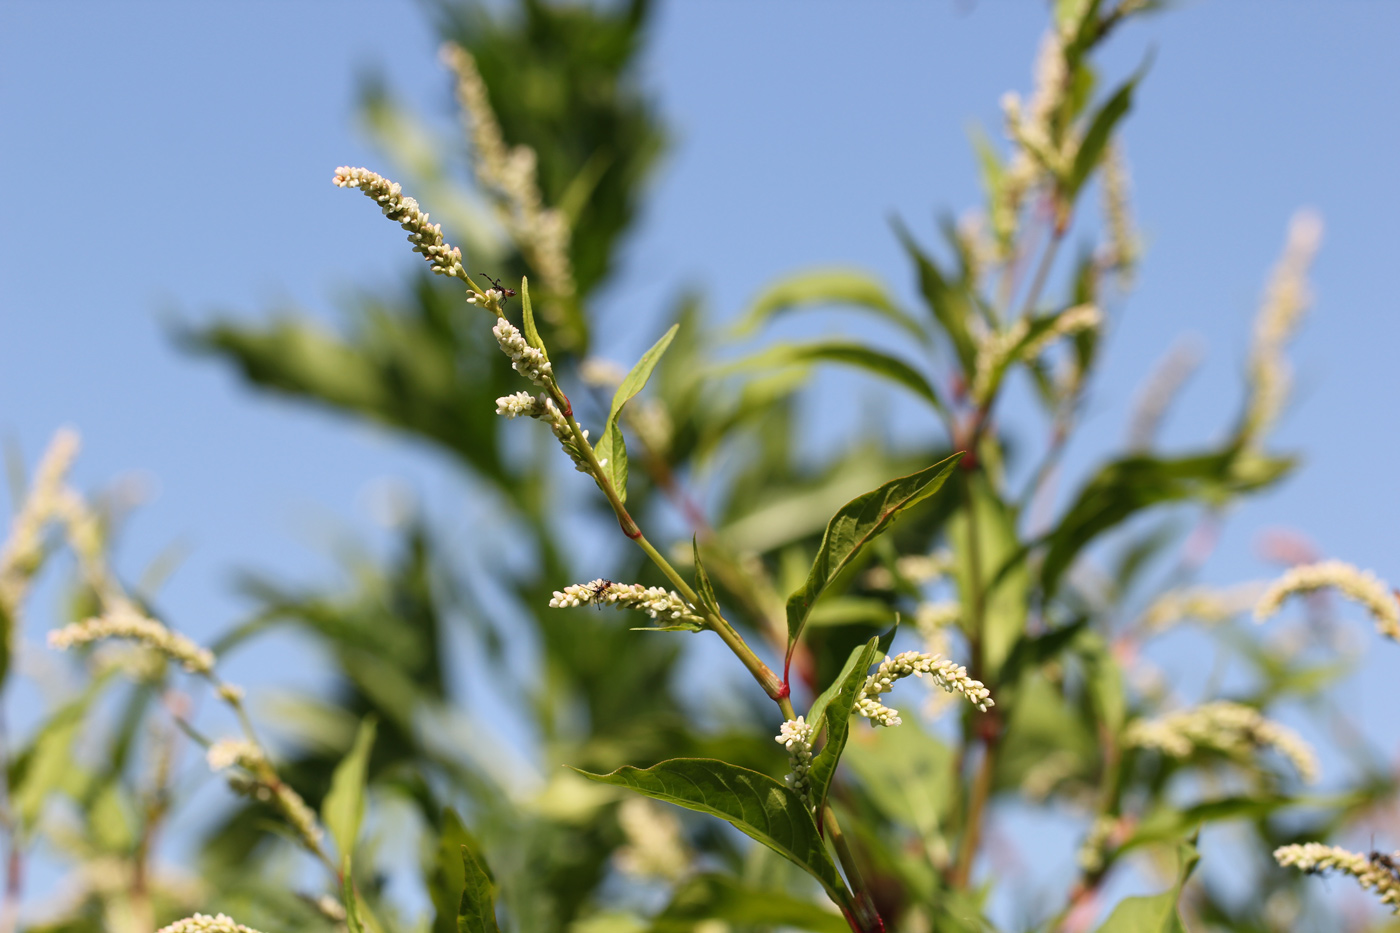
522 404
1285 302
542 234
655 847
932 618
1233 729
1370 873
426 238
916 569
1360 586
1158 391
527 360
663 605
796 736
127 623
1209 604
1122 250
226 753
24 548
946 674
1096 844
203 923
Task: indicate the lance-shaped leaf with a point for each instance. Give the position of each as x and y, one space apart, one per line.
344 806
837 714
610 445
847 353
1156 913
532 333
477 911
755 804
448 879
826 287
1125 487
854 526
1096 137
703 588
720 897
950 303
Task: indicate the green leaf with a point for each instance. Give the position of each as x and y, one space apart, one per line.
1096 137
826 287
997 571
838 720
532 334
448 879
854 526
477 911
951 306
703 589
721 897
611 446
847 353
1125 487
349 898
1156 913
344 806
753 803
816 714
677 627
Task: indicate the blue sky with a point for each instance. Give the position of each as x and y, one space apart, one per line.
175 158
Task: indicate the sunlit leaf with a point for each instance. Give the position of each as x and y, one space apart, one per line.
854 526
1155 913
610 445
755 804
819 287
846 353
837 715
344 806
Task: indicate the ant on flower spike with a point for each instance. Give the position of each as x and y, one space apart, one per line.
599 588
506 293
1385 861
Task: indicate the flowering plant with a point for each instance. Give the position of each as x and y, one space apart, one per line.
871 816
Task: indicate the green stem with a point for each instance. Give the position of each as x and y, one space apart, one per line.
768 680
862 905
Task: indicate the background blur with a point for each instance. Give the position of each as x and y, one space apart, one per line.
168 161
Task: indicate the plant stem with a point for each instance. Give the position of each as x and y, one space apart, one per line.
863 907
714 621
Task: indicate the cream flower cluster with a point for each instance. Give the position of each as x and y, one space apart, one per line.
1360 586
527 360
522 404
1285 302
426 238
655 847
1156 395
796 736
948 675
1122 249
999 350
24 548
225 753
126 623
203 923
542 234
917 569
663 605
1314 857
1208 604
1231 728
264 785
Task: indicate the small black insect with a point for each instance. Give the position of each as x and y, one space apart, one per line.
495 283
1385 861
599 588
